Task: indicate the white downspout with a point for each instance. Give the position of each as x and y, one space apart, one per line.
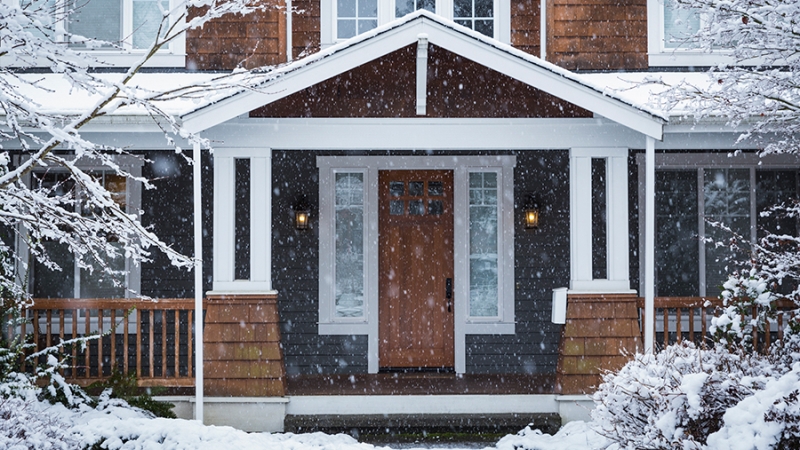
288 30
198 283
649 242
543 29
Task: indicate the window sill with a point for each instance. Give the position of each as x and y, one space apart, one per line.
489 328
344 328
669 58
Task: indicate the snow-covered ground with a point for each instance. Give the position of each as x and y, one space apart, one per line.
26 424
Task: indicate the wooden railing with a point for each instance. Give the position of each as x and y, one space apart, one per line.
152 338
689 318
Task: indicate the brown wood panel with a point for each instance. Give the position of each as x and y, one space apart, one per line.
386 88
416 259
305 27
597 34
525 25
253 40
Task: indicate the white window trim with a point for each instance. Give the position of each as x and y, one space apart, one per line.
386 8
660 56
696 161
225 220
172 56
133 204
461 167
580 169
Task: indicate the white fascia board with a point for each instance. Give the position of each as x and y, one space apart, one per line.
550 82
303 77
422 133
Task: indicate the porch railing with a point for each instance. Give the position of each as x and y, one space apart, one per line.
152 338
689 318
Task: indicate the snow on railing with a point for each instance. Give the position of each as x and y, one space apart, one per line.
689 318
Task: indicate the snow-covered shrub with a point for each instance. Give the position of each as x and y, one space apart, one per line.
741 295
768 419
676 398
24 425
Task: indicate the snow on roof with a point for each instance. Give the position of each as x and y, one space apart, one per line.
57 95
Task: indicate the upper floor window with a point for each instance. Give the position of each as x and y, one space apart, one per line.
343 19
129 27
670 33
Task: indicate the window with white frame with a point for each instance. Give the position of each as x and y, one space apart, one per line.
72 281
130 26
689 199
343 19
670 37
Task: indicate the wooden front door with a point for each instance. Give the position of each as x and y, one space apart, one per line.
416 268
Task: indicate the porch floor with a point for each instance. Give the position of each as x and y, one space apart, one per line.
420 384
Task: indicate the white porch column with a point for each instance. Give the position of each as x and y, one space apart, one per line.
649 242
198 281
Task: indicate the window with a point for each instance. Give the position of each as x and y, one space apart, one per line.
483 240
670 32
349 236
689 198
129 25
72 281
343 19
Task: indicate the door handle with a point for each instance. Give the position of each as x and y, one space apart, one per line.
448 293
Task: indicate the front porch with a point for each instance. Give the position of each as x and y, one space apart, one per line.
246 385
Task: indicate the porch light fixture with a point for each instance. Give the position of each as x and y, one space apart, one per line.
302 213
530 213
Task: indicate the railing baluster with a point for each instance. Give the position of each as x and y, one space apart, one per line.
113 333
189 339
150 333
87 318
100 343
691 324
780 325
704 324
125 342
176 361
48 328
74 344
61 337
754 314
164 343
666 326
678 324
138 343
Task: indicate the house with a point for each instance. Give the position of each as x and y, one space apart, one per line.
390 220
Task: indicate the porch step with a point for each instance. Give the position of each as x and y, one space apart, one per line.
381 424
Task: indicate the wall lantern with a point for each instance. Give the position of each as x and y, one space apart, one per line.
302 213
530 213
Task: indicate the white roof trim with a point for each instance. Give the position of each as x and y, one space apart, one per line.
340 58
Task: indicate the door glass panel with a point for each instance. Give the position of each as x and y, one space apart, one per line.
349 245
727 200
416 208
435 188
435 207
396 207
415 188
397 188
483 276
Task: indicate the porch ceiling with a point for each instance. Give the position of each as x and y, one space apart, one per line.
381 41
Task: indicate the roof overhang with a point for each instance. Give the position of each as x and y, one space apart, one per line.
348 55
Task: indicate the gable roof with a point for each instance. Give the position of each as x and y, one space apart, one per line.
288 79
